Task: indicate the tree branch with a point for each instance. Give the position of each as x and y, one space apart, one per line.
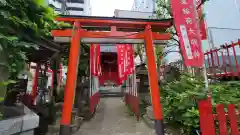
170 45
176 40
166 53
202 2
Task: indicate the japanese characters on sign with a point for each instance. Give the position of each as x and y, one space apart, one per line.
185 18
125 61
95 60
121 62
130 59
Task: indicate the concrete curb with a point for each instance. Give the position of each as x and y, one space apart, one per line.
150 123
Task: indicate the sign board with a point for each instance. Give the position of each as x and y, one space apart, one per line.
187 27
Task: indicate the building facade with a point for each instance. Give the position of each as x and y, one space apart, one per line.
71 7
144 5
55 5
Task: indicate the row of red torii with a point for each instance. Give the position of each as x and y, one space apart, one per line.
125 73
121 31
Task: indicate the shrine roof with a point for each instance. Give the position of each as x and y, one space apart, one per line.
157 24
45 51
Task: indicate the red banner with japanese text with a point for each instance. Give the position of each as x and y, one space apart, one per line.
129 59
121 62
187 27
125 61
95 67
98 61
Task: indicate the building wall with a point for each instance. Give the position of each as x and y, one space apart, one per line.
79 7
56 5
144 5
133 14
73 7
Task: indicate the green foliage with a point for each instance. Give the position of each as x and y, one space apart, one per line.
180 98
159 53
22 23
26 17
142 107
6 83
1 115
14 48
139 51
226 92
83 67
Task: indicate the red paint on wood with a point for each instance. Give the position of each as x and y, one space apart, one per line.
224 63
133 102
233 119
229 59
94 101
206 118
221 117
235 58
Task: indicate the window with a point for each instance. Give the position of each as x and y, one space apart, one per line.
57 9
75 8
76 1
52 6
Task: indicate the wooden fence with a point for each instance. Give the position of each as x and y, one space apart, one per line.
223 61
223 122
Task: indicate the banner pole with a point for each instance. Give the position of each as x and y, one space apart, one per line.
204 66
206 79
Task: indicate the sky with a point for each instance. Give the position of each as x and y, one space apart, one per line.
107 7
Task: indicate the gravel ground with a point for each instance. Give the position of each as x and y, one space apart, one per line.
111 119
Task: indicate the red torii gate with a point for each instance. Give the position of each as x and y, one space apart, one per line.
115 35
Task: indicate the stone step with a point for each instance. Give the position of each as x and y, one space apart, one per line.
111 94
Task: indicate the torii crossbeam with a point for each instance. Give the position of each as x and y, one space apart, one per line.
109 30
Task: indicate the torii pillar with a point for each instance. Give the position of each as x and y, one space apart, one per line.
65 127
153 81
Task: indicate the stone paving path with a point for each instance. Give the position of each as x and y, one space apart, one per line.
111 119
